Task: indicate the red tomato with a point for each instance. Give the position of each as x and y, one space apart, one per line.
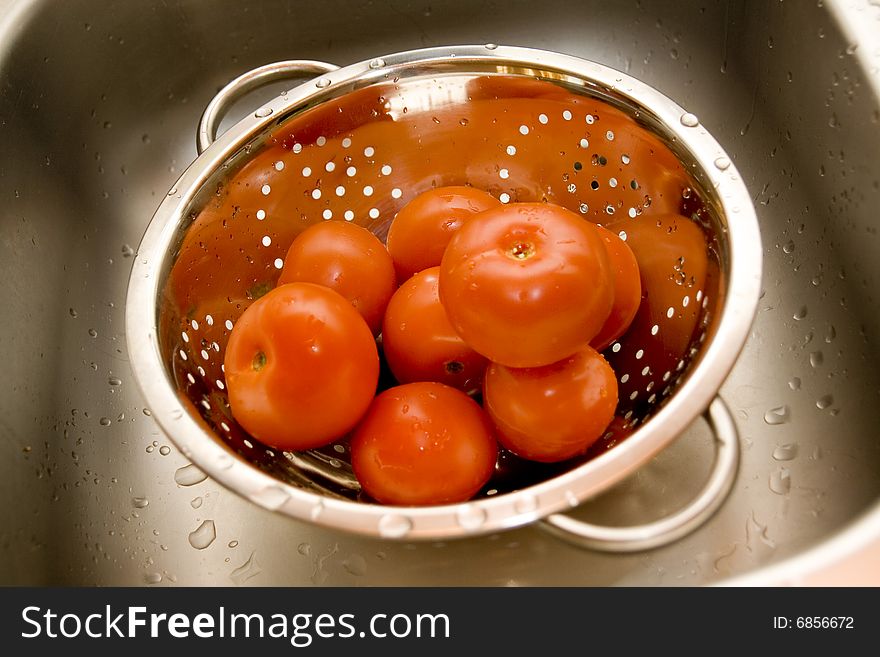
423 443
420 343
554 412
526 284
348 259
423 227
627 290
301 367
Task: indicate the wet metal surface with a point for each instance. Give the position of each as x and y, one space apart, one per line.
97 119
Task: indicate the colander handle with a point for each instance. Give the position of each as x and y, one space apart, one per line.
244 84
671 528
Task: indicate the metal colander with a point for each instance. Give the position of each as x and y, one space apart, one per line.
358 143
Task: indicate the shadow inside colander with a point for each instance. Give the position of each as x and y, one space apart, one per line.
364 154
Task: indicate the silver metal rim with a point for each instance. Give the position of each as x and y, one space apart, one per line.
489 514
681 523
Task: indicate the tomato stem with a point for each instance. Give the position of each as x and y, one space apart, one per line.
454 367
258 290
521 251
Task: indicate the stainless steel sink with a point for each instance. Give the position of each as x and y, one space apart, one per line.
98 111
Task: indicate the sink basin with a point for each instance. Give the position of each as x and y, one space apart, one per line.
98 114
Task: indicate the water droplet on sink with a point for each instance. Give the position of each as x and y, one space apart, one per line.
127 251
830 335
800 314
788 247
196 502
189 475
526 504
104 421
356 565
689 120
491 46
780 481
114 381
394 525
153 578
722 163
816 358
377 63
263 112
778 415
824 402
786 452
203 535
304 549
321 83
471 517
140 502
246 571
795 383
271 497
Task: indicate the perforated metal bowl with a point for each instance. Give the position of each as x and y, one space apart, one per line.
356 144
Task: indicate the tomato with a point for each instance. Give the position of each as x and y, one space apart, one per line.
423 443
423 227
554 412
627 290
526 284
346 258
420 343
301 367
